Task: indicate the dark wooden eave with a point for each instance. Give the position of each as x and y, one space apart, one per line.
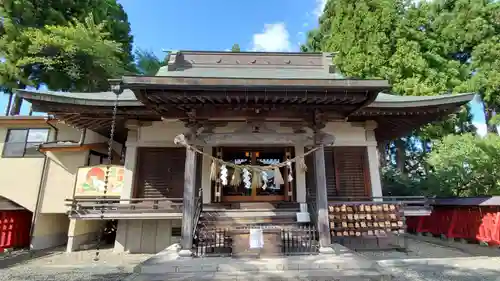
177 97
97 119
396 116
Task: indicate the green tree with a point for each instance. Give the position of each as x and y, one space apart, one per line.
235 48
148 63
469 33
407 44
465 165
56 25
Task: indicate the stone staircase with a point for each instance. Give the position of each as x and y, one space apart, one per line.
248 214
224 229
345 265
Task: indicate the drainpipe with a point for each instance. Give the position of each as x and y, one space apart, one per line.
82 137
41 186
56 130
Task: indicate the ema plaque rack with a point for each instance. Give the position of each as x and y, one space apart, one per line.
368 225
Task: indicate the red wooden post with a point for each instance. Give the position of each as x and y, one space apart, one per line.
454 216
1 231
496 229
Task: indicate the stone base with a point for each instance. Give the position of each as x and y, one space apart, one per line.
344 266
185 254
325 275
326 251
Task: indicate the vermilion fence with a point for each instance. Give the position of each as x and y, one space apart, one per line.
475 219
14 229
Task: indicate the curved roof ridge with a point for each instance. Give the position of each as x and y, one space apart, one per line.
389 100
128 98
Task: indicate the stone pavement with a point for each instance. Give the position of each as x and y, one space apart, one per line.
57 265
428 260
345 265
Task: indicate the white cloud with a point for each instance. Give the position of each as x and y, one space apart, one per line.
274 38
320 6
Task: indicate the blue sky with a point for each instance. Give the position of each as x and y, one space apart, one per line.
257 25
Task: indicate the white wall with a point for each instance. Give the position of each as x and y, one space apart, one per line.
163 133
50 230
145 236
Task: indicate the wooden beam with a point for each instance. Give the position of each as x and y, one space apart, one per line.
73 148
322 201
231 113
24 120
189 200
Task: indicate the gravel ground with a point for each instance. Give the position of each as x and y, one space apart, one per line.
432 262
60 266
423 262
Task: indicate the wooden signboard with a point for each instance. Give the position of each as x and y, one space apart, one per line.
90 181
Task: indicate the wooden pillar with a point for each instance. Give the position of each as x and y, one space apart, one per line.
130 164
189 207
322 202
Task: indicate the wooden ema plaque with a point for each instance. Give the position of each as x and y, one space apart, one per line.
365 220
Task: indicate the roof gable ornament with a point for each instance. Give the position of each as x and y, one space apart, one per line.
328 62
172 59
116 86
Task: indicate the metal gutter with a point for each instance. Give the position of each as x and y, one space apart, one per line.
41 190
41 186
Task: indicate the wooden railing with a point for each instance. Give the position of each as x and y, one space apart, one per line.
412 205
91 207
299 240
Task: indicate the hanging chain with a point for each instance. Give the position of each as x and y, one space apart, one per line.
106 178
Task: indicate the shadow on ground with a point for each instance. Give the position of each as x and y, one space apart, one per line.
416 271
22 256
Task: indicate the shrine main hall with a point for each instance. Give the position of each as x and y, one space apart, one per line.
217 144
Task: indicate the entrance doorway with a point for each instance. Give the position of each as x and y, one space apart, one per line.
267 192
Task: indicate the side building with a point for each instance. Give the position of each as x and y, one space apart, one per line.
37 179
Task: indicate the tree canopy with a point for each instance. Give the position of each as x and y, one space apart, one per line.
235 48
148 63
465 165
422 48
67 45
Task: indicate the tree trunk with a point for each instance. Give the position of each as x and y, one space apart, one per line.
489 113
425 151
401 156
382 154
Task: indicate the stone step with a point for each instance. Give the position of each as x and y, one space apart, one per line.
252 206
247 214
225 219
320 275
248 220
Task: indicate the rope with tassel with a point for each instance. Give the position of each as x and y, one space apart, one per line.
254 170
